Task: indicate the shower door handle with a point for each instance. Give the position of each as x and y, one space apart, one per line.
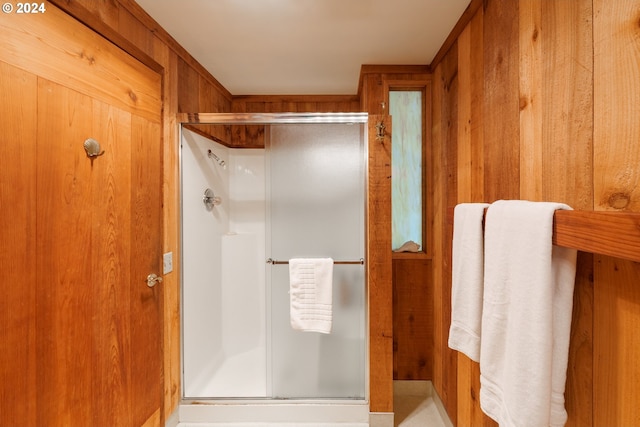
153 279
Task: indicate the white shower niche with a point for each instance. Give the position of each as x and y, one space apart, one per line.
303 195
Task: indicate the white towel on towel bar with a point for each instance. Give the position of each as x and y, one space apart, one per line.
526 317
310 294
467 279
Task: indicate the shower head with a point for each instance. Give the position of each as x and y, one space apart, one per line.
217 159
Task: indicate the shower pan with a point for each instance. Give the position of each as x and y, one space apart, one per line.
301 196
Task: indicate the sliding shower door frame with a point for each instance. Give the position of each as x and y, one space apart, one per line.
185 119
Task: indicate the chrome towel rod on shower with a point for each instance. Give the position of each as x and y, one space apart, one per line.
360 261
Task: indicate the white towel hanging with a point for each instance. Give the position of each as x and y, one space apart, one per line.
526 316
467 279
311 293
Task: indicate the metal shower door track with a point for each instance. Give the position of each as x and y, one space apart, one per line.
270 118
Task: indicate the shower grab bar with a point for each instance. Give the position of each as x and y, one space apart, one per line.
274 262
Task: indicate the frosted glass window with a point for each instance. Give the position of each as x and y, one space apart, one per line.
405 107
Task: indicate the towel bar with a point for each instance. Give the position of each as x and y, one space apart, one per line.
274 262
614 234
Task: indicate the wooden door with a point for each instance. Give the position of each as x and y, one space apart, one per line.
80 329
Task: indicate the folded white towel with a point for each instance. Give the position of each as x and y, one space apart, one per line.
311 283
467 279
526 319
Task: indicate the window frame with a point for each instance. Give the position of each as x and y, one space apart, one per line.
424 86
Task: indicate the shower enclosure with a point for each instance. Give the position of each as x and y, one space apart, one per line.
245 213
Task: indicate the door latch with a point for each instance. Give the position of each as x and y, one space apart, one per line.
153 279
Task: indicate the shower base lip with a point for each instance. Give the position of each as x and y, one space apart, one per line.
274 411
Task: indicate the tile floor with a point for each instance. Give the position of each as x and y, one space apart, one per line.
416 406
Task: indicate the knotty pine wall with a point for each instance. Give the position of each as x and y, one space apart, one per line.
540 100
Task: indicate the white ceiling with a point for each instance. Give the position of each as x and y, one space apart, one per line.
310 47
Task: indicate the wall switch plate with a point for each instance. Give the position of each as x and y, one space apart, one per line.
167 263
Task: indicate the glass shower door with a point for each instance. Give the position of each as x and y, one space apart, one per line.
316 208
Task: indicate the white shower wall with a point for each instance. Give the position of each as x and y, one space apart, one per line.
223 301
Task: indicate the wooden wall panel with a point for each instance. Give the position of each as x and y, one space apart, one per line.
372 94
566 111
616 187
470 187
107 11
570 138
71 302
374 83
188 88
254 135
470 161
109 188
439 213
531 99
564 146
556 147
501 101
103 17
210 102
129 27
91 312
616 342
89 72
412 279
297 103
147 319
616 105
64 313
448 390
171 236
579 386
18 132
380 270
465 153
74 308
445 152
412 319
